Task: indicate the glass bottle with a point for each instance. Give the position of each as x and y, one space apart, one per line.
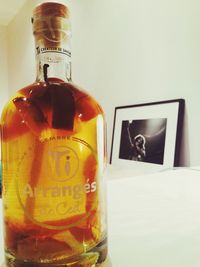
53 157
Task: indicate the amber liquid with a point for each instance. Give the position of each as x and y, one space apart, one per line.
52 196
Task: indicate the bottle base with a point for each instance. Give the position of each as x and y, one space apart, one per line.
96 257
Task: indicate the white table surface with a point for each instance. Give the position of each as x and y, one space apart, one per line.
153 220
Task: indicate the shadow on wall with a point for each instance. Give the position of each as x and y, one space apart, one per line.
184 160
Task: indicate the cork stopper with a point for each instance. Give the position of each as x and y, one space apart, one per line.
51 22
51 9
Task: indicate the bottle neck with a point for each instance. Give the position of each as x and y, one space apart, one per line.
53 61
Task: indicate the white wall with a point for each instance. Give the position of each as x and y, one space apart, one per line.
3 67
137 51
126 52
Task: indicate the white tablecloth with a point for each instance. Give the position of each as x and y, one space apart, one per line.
153 220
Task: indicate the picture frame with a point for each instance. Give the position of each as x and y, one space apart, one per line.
147 135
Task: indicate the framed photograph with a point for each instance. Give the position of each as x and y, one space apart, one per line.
147 135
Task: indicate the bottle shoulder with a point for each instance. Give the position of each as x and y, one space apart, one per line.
59 91
52 105
86 103
39 91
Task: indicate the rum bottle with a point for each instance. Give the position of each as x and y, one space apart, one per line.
53 157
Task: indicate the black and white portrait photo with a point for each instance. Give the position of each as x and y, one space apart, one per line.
143 140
